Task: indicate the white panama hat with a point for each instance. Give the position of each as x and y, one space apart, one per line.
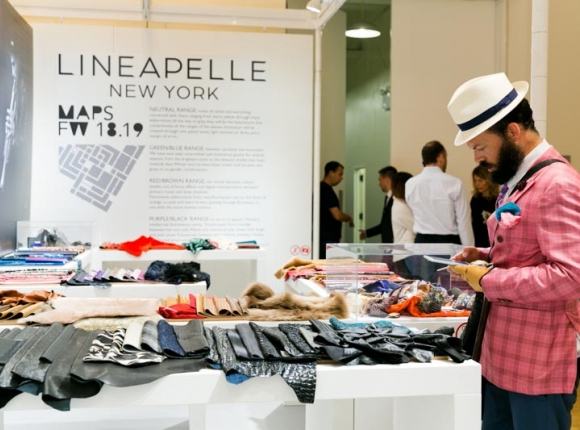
481 102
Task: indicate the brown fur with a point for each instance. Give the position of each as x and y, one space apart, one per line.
264 305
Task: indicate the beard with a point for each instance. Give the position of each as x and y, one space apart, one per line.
510 159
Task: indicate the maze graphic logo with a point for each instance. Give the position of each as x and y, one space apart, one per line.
98 171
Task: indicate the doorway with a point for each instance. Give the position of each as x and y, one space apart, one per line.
359 181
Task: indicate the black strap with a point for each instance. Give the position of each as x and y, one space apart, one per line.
522 182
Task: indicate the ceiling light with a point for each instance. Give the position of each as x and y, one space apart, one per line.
363 31
314 6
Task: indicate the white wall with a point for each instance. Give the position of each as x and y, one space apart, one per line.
436 46
368 125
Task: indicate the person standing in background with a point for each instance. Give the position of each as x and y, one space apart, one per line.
438 201
331 216
401 215
402 220
385 228
482 204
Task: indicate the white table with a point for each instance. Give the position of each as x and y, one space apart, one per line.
81 261
231 271
117 289
441 395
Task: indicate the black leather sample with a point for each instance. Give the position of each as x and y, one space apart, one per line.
30 368
239 348
59 385
326 334
281 342
293 332
301 377
268 349
58 345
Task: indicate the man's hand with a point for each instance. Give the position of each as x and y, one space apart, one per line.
472 273
362 235
349 221
469 255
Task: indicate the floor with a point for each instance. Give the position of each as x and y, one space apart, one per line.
576 417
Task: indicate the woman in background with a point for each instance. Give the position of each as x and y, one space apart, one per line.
482 204
402 221
401 215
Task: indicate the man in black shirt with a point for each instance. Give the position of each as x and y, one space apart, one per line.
385 228
331 216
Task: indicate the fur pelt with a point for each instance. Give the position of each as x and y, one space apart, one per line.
264 305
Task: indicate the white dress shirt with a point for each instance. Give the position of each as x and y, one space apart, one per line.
439 204
402 221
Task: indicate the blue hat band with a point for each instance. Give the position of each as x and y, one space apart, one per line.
482 117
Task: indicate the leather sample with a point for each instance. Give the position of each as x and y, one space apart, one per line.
30 367
293 332
192 339
235 306
212 357
8 380
149 338
326 334
168 340
238 345
59 385
121 376
250 341
268 349
301 377
132 339
58 345
108 347
281 342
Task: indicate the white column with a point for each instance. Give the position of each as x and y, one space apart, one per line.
539 66
316 146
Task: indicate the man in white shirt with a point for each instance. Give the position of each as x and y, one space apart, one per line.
438 201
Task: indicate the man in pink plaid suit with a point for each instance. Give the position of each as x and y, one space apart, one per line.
532 277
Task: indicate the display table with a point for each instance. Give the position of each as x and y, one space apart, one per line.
231 271
441 395
81 261
306 287
117 289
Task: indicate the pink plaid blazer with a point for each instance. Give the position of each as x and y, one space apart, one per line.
534 290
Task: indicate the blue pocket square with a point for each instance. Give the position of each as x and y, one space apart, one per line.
509 207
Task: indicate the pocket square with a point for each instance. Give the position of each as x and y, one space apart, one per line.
508 220
508 215
509 207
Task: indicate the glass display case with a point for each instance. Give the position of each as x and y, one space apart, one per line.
381 279
57 233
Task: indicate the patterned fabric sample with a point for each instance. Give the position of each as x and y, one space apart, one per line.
108 346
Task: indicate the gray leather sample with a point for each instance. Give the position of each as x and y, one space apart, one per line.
191 338
149 337
250 341
30 368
